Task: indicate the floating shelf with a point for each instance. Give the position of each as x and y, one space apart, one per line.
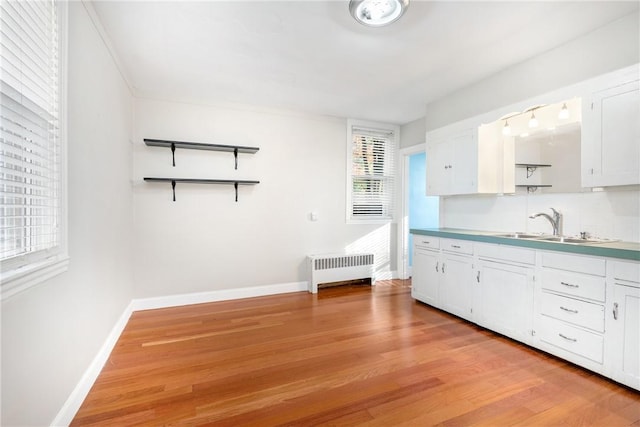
531 167
174 181
235 149
531 188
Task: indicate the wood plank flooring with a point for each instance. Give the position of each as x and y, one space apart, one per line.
352 355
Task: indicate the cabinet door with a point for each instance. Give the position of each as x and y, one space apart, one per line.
625 335
425 276
464 165
505 299
439 163
456 286
611 137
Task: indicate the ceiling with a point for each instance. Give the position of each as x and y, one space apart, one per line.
311 56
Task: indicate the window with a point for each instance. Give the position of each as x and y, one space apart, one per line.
32 167
371 149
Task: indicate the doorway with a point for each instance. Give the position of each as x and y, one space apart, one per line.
419 210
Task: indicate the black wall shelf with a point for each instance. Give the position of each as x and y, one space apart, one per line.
174 181
235 149
531 188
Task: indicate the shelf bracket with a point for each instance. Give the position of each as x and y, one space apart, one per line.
532 189
173 187
531 170
235 155
173 153
235 185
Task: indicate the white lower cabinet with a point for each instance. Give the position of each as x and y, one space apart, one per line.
623 340
505 299
585 309
455 288
425 269
456 285
569 318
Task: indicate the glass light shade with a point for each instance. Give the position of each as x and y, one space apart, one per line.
506 130
564 112
533 122
377 13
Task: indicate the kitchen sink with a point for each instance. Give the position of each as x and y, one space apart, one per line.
520 235
575 240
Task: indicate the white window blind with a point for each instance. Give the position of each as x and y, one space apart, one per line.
372 175
31 170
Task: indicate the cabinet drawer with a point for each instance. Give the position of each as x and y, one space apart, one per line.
458 246
571 338
574 311
577 263
580 285
627 271
428 242
506 253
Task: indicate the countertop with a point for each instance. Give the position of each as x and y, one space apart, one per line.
612 249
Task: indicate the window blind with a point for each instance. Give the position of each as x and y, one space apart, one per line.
30 143
373 174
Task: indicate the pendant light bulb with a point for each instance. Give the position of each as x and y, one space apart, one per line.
564 112
506 130
533 122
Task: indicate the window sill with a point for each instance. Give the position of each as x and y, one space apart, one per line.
23 278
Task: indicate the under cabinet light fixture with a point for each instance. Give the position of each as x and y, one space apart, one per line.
564 112
533 122
377 13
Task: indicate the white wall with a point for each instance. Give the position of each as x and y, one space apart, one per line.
51 333
614 213
205 241
412 133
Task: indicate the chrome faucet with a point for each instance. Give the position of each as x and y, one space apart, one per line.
556 221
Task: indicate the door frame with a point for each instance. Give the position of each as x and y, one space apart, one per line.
404 271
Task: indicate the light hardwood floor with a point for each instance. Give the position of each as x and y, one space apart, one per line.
352 355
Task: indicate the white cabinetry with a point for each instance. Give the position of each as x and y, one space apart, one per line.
569 315
611 131
456 285
459 163
442 274
505 298
623 342
426 269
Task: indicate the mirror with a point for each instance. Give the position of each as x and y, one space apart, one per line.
541 148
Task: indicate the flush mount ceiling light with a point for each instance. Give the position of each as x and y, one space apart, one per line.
377 13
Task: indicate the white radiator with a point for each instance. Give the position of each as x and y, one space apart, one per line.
329 268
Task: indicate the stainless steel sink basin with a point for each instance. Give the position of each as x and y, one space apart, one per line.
520 235
575 240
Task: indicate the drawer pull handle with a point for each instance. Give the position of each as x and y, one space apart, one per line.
569 285
569 310
567 338
455 246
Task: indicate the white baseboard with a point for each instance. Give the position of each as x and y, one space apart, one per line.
80 392
386 275
213 296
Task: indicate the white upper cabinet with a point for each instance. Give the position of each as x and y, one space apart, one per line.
611 132
459 162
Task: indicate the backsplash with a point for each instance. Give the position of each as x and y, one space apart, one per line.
613 213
